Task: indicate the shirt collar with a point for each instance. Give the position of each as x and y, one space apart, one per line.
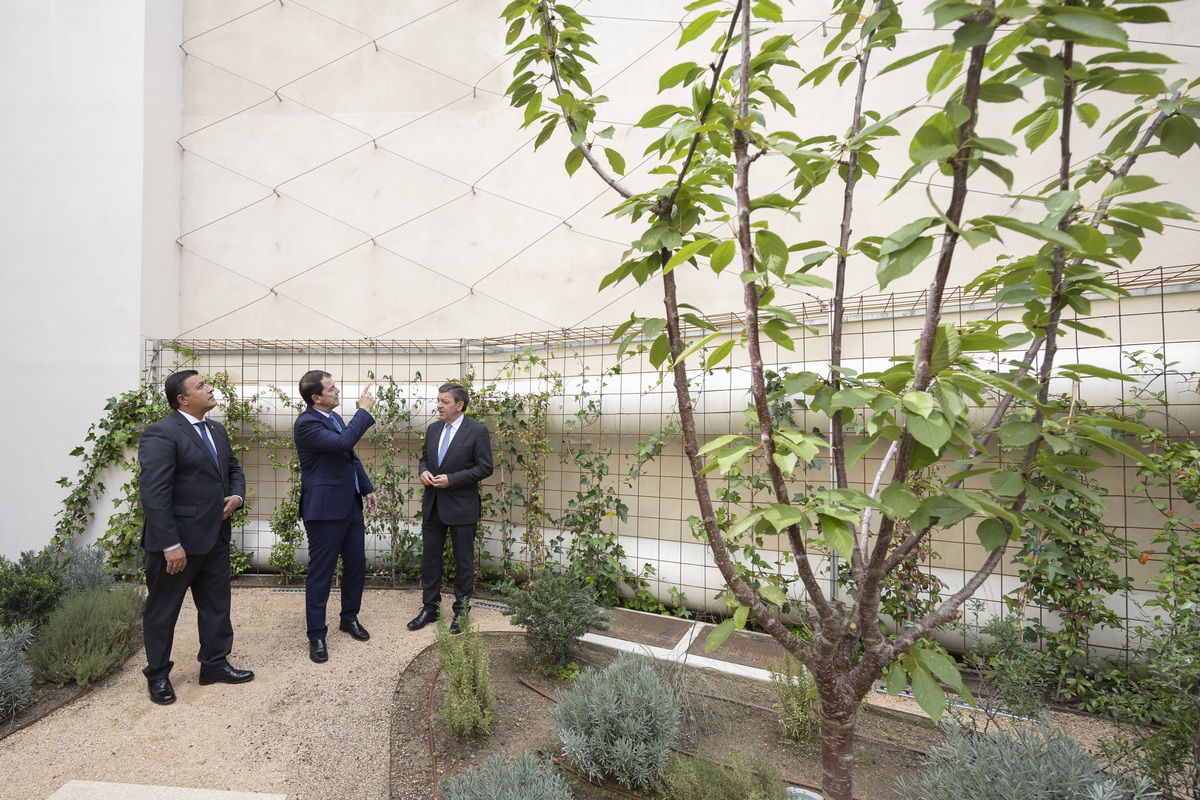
189 417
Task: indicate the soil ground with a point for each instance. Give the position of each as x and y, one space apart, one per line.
727 731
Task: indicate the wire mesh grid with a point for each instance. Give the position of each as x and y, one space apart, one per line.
606 407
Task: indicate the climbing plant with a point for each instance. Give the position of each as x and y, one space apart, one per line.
393 474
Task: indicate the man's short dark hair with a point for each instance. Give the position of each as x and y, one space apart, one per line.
457 391
312 383
176 384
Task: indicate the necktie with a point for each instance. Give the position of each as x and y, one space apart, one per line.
337 426
447 432
203 426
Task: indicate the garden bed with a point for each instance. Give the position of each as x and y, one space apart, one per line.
728 730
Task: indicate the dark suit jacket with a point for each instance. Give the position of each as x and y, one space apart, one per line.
328 464
183 492
468 461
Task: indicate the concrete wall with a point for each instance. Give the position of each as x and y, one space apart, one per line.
89 211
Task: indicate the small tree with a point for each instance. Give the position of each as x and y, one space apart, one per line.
917 411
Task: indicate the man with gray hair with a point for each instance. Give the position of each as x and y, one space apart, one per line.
457 455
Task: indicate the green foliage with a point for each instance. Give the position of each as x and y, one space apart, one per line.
16 678
470 700
1015 670
526 778
555 610
618 723
285 520
796 699
85 568
87 636
1156 703
392 475
1067 565
701 778
1034 761
31 586
114 437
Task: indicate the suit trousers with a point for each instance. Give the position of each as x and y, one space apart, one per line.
207 575
328 539
433 543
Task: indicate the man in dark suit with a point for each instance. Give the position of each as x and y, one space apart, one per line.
456 457
190 485
334 490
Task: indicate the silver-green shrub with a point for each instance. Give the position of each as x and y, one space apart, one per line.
618 723
16 678
469 697
1037 761
796 699
86 568
524 779
87 636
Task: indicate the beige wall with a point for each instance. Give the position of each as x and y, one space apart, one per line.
89 210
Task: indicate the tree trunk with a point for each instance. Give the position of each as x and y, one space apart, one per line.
837 750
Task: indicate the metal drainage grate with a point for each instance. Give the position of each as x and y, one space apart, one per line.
492 606
300 591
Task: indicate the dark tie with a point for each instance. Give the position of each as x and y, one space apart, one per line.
337 426
203 426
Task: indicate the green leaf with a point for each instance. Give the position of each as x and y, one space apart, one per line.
697 27
722 256
719 442
615 160
675 75
1130 184
1018 434
991 534
919 403
660 350
776 329
740 615
684 253
1178 135
899 501
1006 483
837 534
896 679
928 694
772 594
718 635
933 432
896 265
1088 23
658 115
720 354
1098 372
574 160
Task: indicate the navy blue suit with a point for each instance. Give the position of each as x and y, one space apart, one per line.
454 510
183 495
331 508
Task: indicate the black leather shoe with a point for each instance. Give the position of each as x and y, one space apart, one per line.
455 630
354 629
225 674
421 620
161 691
317 651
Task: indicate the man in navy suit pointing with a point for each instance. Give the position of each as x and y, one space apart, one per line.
456 457
334 492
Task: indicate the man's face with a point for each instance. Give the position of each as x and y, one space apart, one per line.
448 409
200 398
328 399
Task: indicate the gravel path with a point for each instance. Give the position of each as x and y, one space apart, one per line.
313 732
